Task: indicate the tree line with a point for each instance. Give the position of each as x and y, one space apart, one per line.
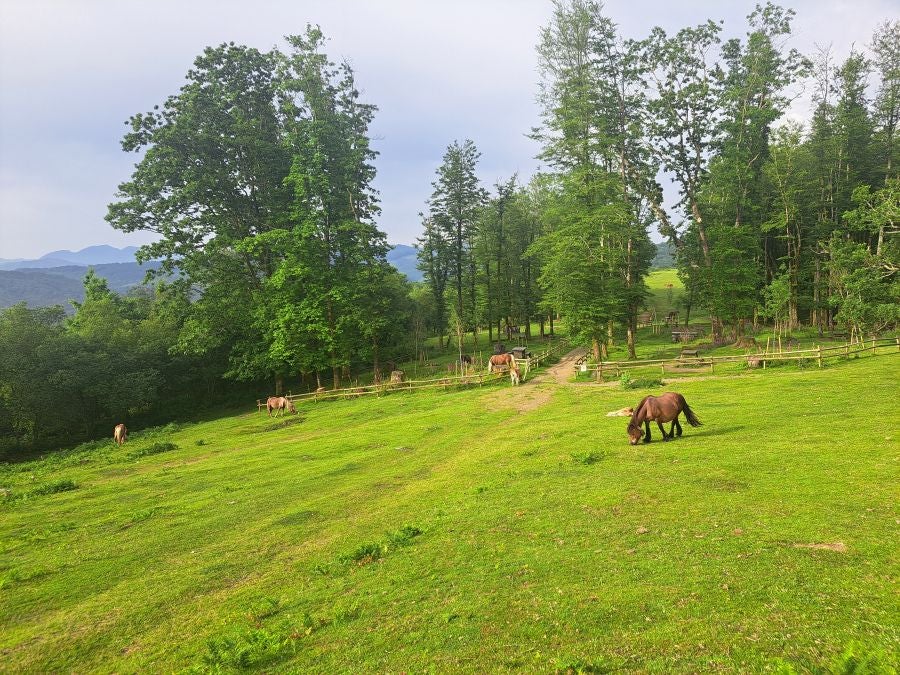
775 220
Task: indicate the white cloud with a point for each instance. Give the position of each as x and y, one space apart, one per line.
72 72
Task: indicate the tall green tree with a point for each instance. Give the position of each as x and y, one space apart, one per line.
211 180
886 61
434 258
320 310
257 179
454 207
593 111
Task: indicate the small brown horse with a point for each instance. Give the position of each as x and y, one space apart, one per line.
659 409
515 375
499 360
120 434
279 403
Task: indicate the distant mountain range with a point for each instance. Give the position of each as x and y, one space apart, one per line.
56 278
42 287
92 255
403 257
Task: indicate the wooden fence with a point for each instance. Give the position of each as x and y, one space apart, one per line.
467 380
708 363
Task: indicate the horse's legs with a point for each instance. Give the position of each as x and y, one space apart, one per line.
647 427
677 425
662 430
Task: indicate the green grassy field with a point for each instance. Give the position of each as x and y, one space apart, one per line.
477 530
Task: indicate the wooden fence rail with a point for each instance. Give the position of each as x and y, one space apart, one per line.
467 380
819 353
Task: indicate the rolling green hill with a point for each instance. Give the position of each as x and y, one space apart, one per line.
480 530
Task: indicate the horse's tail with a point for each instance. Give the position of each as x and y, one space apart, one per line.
689 414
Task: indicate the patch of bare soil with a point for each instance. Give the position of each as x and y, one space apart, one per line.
838 547
523 398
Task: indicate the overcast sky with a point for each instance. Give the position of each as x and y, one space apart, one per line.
72 71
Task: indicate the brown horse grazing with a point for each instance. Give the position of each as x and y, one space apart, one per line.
279 403
120 434
659 409
499 360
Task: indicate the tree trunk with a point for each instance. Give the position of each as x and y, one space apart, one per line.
279 384
375 363
632 324
336 376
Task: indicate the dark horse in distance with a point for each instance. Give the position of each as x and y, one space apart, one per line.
659 409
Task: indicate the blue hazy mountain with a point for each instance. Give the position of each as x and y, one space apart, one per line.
403 257
55 278
58 285
92 255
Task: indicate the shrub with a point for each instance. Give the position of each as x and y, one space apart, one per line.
365 553
639 383
53 488
248 649
154 449
586 458
404 536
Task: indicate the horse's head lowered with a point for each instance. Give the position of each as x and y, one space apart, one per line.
635 433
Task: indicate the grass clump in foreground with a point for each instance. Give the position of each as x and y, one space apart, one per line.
763 540
53 488
154 449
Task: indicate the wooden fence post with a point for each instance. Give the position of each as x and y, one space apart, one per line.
819 347
898 343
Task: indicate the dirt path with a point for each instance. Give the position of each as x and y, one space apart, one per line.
534 393
561 373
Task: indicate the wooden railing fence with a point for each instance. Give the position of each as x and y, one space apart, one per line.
470 379
819 354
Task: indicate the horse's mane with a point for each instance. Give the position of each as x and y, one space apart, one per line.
635 422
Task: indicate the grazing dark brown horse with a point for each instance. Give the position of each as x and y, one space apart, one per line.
498 360
659 409
279 404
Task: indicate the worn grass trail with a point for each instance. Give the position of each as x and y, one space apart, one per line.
465 531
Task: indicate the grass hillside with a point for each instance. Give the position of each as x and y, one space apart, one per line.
477 530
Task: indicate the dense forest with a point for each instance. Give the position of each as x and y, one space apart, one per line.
256 178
